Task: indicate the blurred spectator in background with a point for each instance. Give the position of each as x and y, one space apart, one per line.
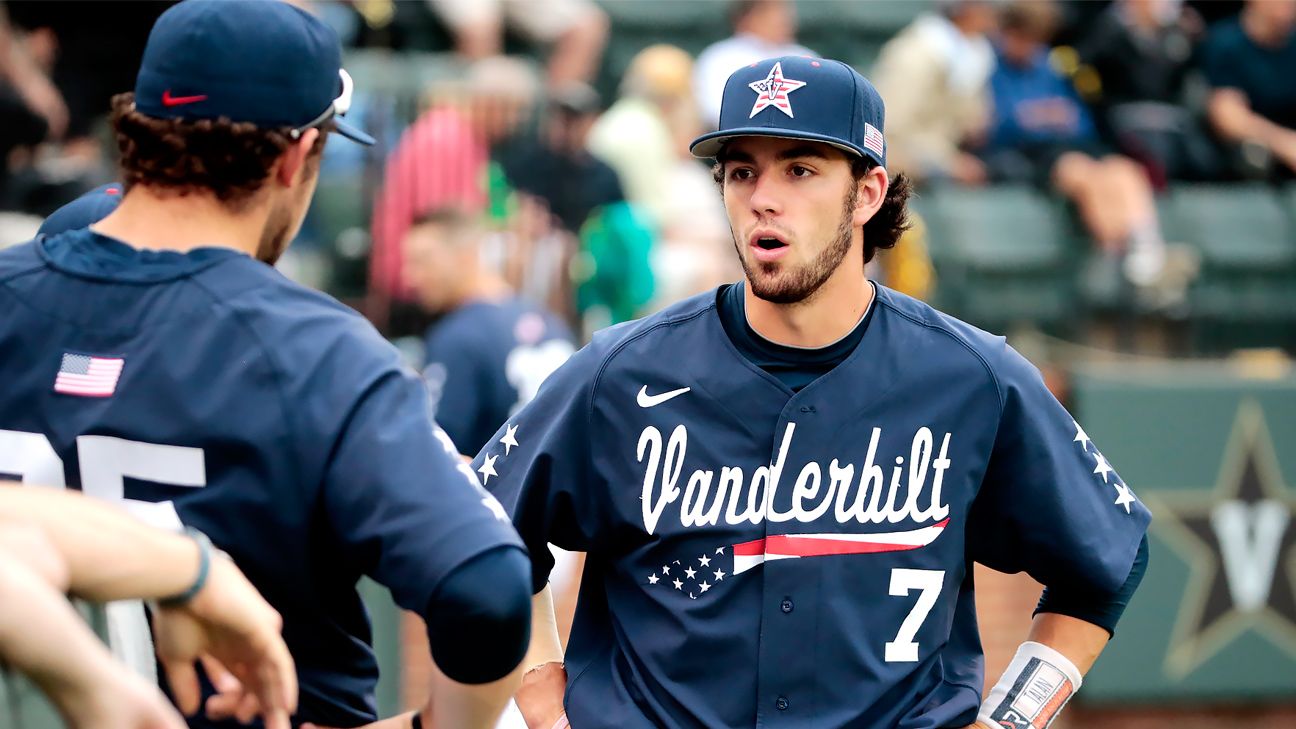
1250 62
560 169
443 158
577 30
487 353
933 76
31 111
490 349
762 29
90 51
1042 133
574 185
1141 52
644 136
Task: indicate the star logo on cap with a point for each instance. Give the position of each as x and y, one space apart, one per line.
773 91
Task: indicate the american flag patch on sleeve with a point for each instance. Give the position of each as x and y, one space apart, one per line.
88 376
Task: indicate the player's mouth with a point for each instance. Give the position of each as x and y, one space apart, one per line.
766 245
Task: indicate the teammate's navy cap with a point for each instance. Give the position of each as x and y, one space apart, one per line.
84 211
260 61
798 97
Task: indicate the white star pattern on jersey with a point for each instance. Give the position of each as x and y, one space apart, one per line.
1103 466
1081 437
487 468
1124 496
510 438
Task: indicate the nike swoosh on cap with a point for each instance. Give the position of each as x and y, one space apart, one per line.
169 100
646 401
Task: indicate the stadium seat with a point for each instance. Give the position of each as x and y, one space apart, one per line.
1245 294
1003 255
1236 228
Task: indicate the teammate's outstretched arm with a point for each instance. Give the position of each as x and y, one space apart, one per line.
42 637
107 555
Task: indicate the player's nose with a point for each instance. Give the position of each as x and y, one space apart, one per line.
766 196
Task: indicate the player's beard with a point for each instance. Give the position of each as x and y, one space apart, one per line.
782 283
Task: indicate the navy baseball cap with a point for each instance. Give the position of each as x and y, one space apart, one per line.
265 62
84 211
799 97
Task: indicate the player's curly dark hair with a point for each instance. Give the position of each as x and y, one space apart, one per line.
231 160
887 225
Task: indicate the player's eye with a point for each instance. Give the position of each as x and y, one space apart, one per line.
799 171
741 173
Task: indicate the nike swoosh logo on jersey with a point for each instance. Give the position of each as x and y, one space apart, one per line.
169 100
647 401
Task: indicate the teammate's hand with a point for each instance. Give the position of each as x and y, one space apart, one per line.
235 632
119 699
540 698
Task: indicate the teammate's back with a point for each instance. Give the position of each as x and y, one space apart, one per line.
220 395
157 359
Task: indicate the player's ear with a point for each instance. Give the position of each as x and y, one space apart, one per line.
870 194
294 158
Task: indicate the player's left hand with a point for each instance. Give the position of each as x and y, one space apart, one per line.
235 633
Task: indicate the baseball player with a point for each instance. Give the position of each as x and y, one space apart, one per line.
156 360
489 349
782 485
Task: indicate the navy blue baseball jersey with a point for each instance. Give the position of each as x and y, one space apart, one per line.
759 557
207 389
485 360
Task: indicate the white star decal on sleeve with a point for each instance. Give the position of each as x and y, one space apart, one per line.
678 585
1103 466
510 438
1124 497
704 586
690 572
487 469
1081 437
705 561
665 569
719 550
652 579
719 575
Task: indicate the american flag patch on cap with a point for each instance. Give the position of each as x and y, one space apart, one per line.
87 375
873 140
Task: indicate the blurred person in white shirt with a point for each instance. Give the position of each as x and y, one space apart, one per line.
762 29
644 137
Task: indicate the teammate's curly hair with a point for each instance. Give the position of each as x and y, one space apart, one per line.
231 160
887 225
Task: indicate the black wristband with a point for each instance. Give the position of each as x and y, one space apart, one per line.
417 721
204 568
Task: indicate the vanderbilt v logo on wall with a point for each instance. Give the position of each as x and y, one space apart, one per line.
1240 539
1211 450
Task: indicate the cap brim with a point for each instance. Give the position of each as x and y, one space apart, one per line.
709 145
352 133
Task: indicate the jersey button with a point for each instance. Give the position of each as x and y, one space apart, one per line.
786 605
781 704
